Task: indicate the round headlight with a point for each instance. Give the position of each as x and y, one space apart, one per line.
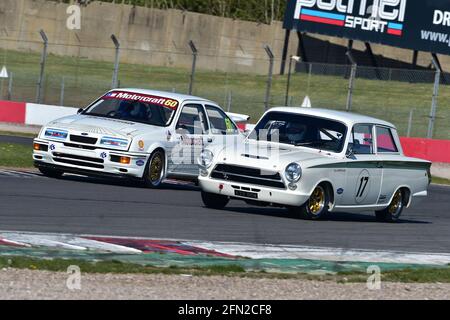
293 172
205 159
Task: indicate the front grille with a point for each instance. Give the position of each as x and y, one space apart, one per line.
79 163
247 175
81 139
79 146
78 160
76 157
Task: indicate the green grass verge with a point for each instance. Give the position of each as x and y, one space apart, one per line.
15 155
118 267
85 80
428 275
440 180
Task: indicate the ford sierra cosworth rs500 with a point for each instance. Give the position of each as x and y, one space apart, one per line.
134 133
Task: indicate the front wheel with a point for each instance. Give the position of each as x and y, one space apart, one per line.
393 212
214 201
51 173
154 172
316 207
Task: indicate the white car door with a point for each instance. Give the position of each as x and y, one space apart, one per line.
364 170
389 151
191 137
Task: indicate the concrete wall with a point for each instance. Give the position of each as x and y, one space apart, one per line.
155 37
148 36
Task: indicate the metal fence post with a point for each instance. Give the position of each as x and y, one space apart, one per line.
194 65
10 84
43 60
288 86
437 80
408 133
61 97
270 76
351 82
115 79
229 100
309 77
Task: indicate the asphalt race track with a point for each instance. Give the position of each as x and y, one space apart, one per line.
88 206
19 140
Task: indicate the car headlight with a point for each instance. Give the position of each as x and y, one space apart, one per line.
205 159
293 172
114 142
55 133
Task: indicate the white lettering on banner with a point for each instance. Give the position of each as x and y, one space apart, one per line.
326 5
345 8
366 24
441 18
303 3
391 10
385 14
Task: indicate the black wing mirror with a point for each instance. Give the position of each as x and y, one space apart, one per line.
80 111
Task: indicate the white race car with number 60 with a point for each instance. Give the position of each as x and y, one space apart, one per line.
135 133
315 161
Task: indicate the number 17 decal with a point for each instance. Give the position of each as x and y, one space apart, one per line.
364 181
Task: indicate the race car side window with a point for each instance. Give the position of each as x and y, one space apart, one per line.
220 123
192 120
385 141
361 139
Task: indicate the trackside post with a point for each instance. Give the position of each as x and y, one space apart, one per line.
351 82
270 76
194 65
43 61
437 80
115 79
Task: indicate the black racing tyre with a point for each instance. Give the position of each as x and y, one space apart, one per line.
393 212
316 207
51 173
155 170
214 201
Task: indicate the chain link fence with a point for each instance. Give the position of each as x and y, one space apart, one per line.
401 96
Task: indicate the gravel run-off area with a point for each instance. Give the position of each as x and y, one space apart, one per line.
33 284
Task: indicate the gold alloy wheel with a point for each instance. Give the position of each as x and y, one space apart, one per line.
317 201
156 167
396 203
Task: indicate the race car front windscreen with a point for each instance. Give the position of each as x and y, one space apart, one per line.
411 24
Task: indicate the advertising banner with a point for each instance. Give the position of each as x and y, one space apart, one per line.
422 25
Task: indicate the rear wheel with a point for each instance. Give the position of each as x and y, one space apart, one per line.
393 212
154 172
51 173
316 207
214 201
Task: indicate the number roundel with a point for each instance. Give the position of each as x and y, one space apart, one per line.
362 186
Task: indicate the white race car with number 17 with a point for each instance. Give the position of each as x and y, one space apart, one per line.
315 161
134 133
